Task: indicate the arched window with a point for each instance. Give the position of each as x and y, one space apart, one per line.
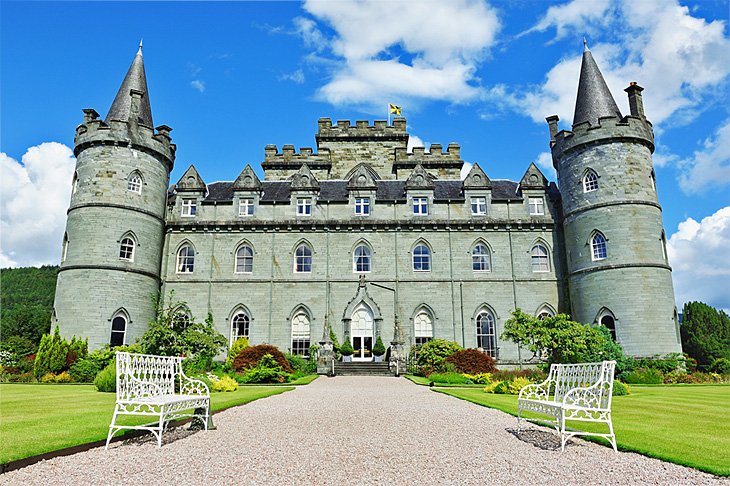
180 318
590 181
126 249
423 327
186 259
421 258
361 259
300 334
134 183
244 259
539 258
75 183
64 248
598 247
486 333
119 329
653 180
240 325
481 259
664 246
303 259
544 312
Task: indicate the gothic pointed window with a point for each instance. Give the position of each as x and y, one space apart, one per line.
486 333
598 247
181 318
64 249
75 183
608 320
590 181
421 258
244 259
300 338
118 330
422 328
303 259
186 259
134 183
361 259
539 259
481 260
126 249
240 325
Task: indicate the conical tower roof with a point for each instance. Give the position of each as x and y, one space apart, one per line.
135 79
594 98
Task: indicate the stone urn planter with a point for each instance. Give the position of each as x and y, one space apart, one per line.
346 359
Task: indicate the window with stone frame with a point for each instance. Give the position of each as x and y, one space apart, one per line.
244 259
300 334
303 259
75 183
126 249
304 206
361 259
420 206
245 207
422 328
64 248
537 206
240 325
180 318
421 258
486 333
663 241
134 183
185 259
539 258
590 181
362 206
479 206
118 330
481 258
189 208
598 247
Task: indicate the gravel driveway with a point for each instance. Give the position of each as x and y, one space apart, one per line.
358 430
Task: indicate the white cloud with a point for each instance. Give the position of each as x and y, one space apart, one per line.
296 77
34 197
198 84
414 141
396 51
572 16
710 167
465 169
545 162
678 58
698 255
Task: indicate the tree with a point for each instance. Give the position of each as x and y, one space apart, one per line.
705 333
27 301
555 339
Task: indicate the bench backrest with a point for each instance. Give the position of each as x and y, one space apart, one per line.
568 376
135 373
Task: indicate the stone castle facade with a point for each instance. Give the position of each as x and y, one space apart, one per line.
367 238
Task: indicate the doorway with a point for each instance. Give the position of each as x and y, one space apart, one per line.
361 333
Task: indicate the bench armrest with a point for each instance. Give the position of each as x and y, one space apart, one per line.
538 391
194 387
586 397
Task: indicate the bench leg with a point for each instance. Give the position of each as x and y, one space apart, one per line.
111 429
162 427
563 438
613 436
519 420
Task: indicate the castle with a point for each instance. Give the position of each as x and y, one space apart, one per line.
367 238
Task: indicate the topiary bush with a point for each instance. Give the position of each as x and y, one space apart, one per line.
225 384
346 349
84 371
472 361
432 354
249 358
379 348
106 379
620 389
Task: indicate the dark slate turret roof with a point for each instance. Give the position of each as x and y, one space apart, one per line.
135 79
594 98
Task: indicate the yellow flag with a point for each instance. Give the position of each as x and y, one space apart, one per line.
394 109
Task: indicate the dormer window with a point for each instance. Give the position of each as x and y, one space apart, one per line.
590 181
420 206
537 206
189 207
304 207
362 206
478 206
245 207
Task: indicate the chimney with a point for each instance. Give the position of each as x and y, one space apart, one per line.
636 104
553 125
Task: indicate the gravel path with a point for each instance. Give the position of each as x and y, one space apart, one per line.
358 430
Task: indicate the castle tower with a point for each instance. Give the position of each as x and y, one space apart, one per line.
110 265
618 271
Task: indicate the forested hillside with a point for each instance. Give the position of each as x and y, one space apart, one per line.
26 301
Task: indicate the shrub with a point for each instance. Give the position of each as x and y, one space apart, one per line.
480 378
106 379
55 354
225 384
346 348
48 378
433 353
84 370
238 345
22 378
379 348
533 374
267 370
517 384
472 361
63 377
721 366
249 357
449 377
502 388
491 387
705 333
16 347
643 376
620 389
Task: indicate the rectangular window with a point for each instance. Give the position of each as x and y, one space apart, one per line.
245 207
420 206
479 206
304 207
362 206
537 206
189 207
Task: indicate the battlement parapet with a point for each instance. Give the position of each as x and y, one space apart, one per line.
435 156
609 129
93 131
289 158
362 130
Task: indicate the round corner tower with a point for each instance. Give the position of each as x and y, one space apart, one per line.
618 273
112 248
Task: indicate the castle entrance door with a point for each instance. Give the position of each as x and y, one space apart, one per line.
361 333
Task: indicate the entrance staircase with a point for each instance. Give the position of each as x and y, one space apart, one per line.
366 368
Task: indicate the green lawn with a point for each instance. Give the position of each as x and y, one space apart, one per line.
41 418
684 424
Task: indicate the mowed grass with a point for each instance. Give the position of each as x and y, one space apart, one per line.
422 380
684 424
35 419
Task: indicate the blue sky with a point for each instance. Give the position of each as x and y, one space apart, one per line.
231 77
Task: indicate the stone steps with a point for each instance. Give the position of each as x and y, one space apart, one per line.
362 369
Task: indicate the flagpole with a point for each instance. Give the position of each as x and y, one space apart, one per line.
388 110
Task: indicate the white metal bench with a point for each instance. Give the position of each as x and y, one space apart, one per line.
579 392
156 386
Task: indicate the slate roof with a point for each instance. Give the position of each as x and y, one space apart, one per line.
336 191
594 98
135 79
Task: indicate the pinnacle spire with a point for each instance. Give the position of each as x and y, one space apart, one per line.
594 98
134 80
